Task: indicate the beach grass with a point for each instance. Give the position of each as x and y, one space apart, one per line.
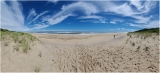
20 39
144 33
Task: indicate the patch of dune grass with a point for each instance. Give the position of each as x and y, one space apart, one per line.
20 38
144 33
25 47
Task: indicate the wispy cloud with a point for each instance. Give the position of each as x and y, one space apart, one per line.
32 13
57 20
152 24
38 16
112 22
12 17
68 10
53 1
125 9
92 8
95 21
123 29
39 26
91 17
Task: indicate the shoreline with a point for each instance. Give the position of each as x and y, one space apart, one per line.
79 34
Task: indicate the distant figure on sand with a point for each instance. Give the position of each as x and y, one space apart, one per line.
114 36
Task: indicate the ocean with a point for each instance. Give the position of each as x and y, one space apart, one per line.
72 32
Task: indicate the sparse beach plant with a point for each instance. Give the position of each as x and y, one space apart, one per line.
146 48
141 37
37 69
138 48
130 36
5 43
133 44
144 37
16 48
130 41
127 41
40 54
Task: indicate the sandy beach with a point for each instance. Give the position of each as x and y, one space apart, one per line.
84 53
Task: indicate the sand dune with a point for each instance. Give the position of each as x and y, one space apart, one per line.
84 53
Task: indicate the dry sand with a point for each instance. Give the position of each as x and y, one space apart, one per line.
84 53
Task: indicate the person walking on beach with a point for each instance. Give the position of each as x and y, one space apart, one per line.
114 36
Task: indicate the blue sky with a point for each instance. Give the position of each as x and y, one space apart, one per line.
56 15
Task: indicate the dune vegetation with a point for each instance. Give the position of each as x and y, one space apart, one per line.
145 33
20 39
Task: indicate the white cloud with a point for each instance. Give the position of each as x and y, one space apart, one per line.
113 22
141 19
38 16
91 17
95 21
148 5
137 4
57 20
123 29
67 11
92 8
107 6
32 13
116 20
151 24
53 1
102 21
12 17
38 26
84 7
126 10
